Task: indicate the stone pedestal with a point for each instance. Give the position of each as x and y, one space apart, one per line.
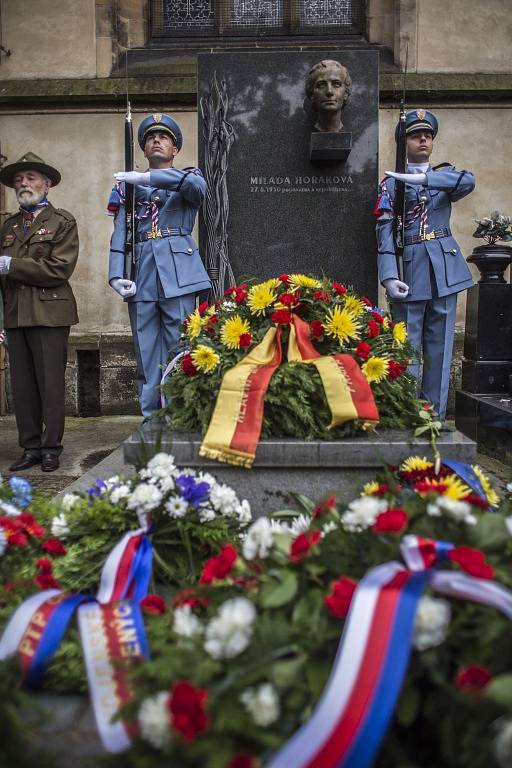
285 466
329 146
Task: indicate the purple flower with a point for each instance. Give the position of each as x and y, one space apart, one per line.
193 492
98 489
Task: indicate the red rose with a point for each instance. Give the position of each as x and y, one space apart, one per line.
46 581
377 317
340 597
187 365
288 299
477 501
329 503
229 291
394 370
203 307
44 564
281 316
240 295
366 301
220 566
188 597
472 561
373 329
339 288
154 605
363 350
302 544
54 548
31 526
16 539
322 295
245 340
391 521
473 678
186 705
242 760
317 329
285 279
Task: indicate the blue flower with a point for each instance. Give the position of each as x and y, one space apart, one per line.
98 489
193 492
22 491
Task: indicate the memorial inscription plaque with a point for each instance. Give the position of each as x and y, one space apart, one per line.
287 213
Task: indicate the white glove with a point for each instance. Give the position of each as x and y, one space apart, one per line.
125 288
133 177
5 263
409 178
395 288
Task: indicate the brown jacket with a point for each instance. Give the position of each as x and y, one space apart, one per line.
36 289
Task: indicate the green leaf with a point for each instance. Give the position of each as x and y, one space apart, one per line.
408 706
500 690
420 430
284 673
490 532
279 589
304 502
317 673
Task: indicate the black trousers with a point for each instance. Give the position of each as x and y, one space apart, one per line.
37 361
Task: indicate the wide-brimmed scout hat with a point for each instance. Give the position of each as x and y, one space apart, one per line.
29 162
160 122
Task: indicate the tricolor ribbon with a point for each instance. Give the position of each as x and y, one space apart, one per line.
235 426
351 718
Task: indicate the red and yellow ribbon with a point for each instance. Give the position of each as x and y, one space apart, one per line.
235 426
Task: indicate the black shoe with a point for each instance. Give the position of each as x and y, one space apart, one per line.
25 461
49 462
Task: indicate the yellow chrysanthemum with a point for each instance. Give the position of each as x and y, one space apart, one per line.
212 309
456 488
231 331
416 463
195 325
375 369
261 297
386 322
304 281
205 358
400 333
490 493
341 324
370 488
354 305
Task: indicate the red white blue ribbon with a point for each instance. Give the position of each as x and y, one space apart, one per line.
127 570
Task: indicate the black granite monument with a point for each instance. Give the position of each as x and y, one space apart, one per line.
279 211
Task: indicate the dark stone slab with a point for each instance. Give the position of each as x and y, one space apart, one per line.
486 376
489 322
287 213
285 466
329 146
487 419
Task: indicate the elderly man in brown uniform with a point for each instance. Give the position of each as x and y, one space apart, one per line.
38 253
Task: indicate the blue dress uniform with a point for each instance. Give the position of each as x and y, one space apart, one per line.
434 267
169 271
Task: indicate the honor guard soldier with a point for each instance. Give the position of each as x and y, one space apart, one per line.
168 270
434 269
39 247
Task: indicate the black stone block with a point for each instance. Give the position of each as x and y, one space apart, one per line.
488 420
330 146
486 377
489 322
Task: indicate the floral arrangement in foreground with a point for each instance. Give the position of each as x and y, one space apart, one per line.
240 656
219 336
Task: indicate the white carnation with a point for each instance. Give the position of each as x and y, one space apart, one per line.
9 509
503 743
224 499
205 477
432 621
230 632
144 498
59 526
68 501
362 513
119 493
176 507
185 622
300 524
279 526
433 510
258 540
243 512
112 482
154 720
262 703
3 542
166 484
457 510
329 527
206 514
160 466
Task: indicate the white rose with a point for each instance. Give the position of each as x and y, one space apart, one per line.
160 466
258 540
154 720
432 622
262 703
362 513
229 633
185 622
59 526
68 501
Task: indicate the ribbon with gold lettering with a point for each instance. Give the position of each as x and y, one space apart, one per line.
235 426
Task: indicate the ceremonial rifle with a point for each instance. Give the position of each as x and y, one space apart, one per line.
400 167
129 192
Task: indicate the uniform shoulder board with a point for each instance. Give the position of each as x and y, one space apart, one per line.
193 170
442 165
65 214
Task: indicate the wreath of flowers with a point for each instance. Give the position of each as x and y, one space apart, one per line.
219 335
